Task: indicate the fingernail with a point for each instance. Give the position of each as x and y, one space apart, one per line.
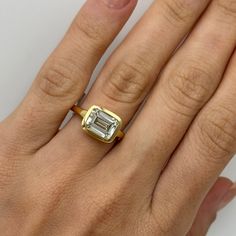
228 197
116 4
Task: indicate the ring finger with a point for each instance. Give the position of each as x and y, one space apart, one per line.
64 76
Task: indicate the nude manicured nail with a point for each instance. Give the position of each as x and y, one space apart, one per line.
229 196
116 4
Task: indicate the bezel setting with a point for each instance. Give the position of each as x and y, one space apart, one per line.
102 124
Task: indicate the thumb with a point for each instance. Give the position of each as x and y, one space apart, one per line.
221 194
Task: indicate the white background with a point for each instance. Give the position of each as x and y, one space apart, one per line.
29 30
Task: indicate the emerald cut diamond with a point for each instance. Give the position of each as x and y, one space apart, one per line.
102 124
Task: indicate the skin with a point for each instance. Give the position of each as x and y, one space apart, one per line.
163 178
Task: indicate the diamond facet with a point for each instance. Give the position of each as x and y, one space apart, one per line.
101 123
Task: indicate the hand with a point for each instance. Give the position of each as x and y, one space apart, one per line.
63 182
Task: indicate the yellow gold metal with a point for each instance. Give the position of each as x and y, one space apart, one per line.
79 111
84 114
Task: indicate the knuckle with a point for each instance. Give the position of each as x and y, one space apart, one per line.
58 78
167 219
88 28
164 225
113 204
228 7
105 211
188 89
108 209
127 83
218 132
177 11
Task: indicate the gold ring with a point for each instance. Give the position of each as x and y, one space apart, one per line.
100 123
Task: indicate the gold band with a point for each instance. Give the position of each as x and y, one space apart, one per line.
79 111
83 113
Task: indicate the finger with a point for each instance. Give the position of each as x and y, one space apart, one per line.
64 76
211 205
206 149
132 70
230 196
186 84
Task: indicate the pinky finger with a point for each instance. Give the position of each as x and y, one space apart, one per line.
221 194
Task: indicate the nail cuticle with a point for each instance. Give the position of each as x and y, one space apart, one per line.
116 4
